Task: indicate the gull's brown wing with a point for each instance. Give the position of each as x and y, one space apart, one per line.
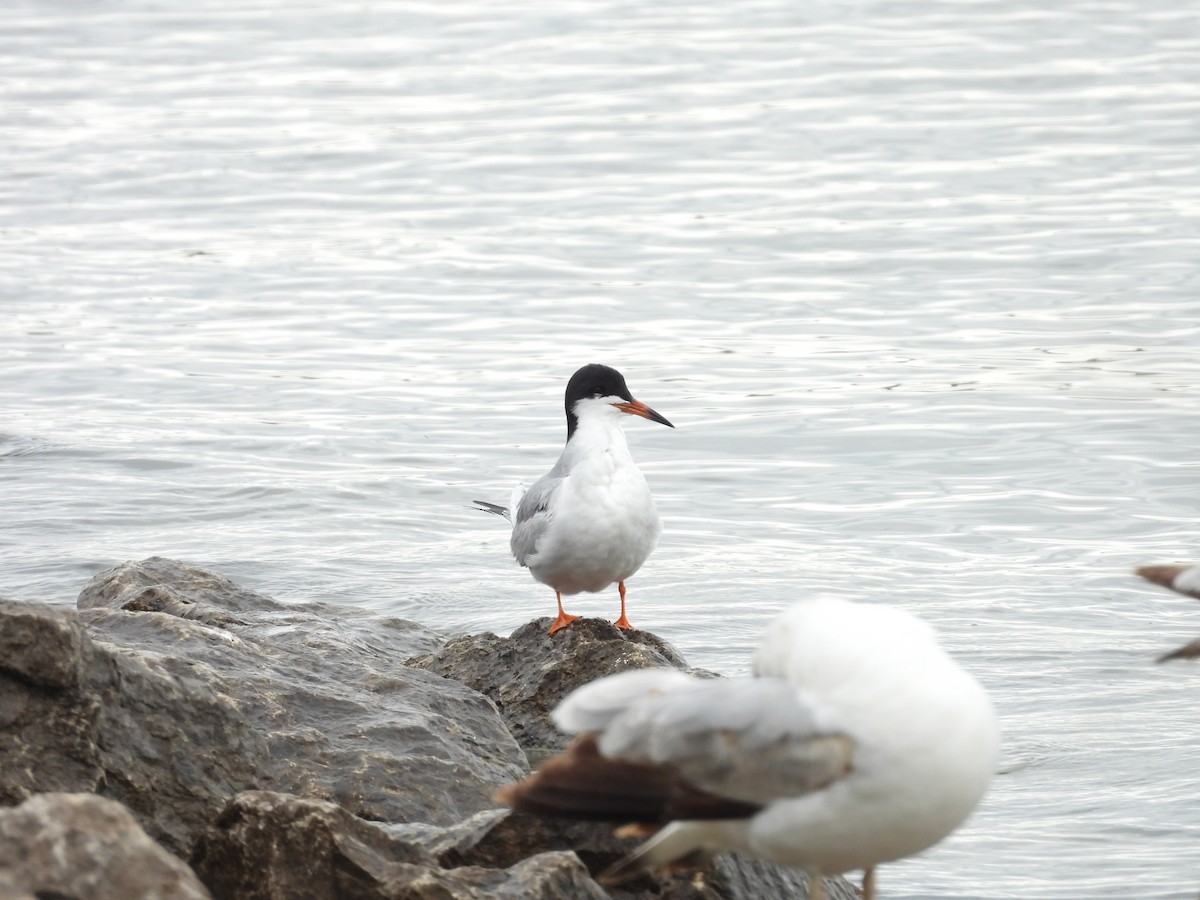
711 749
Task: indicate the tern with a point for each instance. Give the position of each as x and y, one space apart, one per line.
590 521
857 741
1184 580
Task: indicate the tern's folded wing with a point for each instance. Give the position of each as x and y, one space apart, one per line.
532 516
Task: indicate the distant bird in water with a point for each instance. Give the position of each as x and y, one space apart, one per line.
590 520
857 741
1185 580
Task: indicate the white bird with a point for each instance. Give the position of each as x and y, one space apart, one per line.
857 741
590 521
1184 580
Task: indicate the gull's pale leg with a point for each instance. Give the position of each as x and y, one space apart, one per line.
869 883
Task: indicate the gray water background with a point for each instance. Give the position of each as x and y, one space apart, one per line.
286 285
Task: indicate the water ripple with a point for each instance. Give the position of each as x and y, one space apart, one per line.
286 286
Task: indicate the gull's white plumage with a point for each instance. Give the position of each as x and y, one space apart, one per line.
857 741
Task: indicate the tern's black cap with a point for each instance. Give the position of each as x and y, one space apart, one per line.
593 380
596 380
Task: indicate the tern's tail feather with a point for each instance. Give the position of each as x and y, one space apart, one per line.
493 508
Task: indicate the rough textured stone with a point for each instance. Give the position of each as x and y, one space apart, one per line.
75 716
277 847
41 647
83 847
267 845
47 726
163 582
547 876
174 716
729 876
529 672
326 687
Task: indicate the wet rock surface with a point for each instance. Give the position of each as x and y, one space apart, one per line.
84 847
289 751
173 716
278 846
528 673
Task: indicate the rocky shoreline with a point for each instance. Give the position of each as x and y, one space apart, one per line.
180 736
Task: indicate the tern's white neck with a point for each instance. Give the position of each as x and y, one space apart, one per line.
599 430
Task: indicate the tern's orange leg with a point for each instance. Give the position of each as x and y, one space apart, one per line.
563 619
622 623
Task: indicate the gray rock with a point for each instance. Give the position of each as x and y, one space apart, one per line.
83 847
547 876
174 716
277 847
729 876
326 688
41 646
267 845
78 717
47 728
529 672
177 585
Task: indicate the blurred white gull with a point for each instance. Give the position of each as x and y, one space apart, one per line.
857 741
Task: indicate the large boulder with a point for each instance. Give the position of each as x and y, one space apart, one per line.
84 847
277 847
173 689
267 845
76 716
528 673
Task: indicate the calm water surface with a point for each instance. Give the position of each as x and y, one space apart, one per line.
286 285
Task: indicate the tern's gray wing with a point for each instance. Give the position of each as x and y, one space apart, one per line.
747 739
533 515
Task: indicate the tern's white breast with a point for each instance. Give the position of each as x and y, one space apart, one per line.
603 522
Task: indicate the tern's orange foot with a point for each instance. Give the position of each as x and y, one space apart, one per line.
623 623
563 620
